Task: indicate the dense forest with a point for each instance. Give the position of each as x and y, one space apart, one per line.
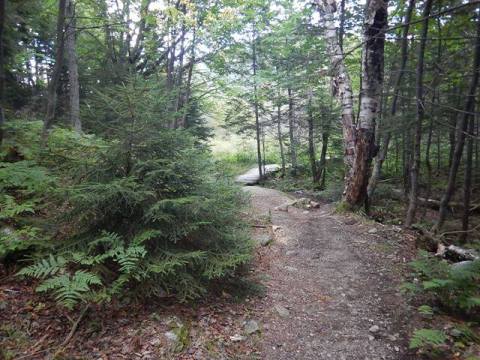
126 126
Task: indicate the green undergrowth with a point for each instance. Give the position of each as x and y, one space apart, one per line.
93 222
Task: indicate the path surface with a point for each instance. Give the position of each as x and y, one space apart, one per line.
252 176
332 286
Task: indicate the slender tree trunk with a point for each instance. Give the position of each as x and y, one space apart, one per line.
382 155
188 90
255 105
2 69
57 69
70 47
461 128
323 160
467 185
311 141
280 140
291 132
415 169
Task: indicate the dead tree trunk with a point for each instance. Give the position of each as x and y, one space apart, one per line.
74 87
57 68
379 160
415 169
461 129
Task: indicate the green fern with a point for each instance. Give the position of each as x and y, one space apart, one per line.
427 337
70 290
45 267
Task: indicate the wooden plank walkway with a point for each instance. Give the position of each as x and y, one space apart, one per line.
252 177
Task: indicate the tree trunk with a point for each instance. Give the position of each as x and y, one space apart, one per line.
188 89
311 141
467 185
341 83
461 128
2 69
371 85
280 141
57 69
70 44
379 160
323 160
255 105
291 132
415 169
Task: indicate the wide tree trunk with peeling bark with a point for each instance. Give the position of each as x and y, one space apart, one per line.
70 48
359 138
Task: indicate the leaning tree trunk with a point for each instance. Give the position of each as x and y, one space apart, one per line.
2 70
57 68
461 129
70 43
379 160
415 169
322 171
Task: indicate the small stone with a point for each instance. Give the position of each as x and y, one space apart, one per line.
171 336
305 212
374 329
290 252
397 349
314 204
282 311
237 338
291 268
251 327
372 231
371 338
264 239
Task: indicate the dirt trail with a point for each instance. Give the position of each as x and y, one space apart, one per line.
332 285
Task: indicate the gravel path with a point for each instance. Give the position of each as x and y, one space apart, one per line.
332 285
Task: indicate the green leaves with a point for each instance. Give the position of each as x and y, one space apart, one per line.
427 337
70 290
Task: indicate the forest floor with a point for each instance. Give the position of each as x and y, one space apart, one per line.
330 291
